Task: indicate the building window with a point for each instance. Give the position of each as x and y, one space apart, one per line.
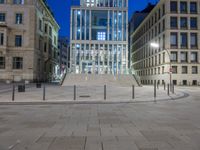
40 24
193 40
1 39
194 82
183 7
194 70
45 47
193 7
174 57
163 57
163 24
184 40
173 6
184 69
194 57
2 1
45 28
183 23
50 31
174 22
174 40
101 36
193 23
184 57
18 40
2 17
174 70
174 82
17 63
18 1
2 62
163 10
55 40
18 18
184 82
163 70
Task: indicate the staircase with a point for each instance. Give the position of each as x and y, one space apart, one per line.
104 79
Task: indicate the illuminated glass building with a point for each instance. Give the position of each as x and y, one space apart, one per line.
99 37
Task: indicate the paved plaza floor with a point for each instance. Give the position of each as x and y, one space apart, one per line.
164 125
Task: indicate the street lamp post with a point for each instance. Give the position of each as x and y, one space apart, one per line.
156 45
170 70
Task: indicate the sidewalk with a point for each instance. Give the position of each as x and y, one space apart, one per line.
86 94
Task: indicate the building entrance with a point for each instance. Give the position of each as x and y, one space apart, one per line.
87 67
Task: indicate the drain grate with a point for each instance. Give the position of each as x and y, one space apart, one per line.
84 96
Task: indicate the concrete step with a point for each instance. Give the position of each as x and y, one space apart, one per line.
93 79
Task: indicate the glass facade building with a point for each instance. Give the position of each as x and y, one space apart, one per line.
99 37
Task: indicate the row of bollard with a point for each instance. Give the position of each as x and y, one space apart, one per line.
170 88
156 86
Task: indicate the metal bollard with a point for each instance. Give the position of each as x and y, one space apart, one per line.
168 89
157 85
155 90
105 92
133 92
74 92
13 93
44 93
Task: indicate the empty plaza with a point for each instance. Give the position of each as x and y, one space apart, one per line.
161 125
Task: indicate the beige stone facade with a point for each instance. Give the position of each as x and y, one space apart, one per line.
28 35
174 26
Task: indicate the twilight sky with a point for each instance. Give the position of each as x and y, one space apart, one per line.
61 10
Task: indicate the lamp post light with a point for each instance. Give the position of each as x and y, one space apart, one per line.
156 45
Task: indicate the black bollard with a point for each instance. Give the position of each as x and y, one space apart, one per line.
104 92
13 93
168 89
155 90
44 93
74 92
133 92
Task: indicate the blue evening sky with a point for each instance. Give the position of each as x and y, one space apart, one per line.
61 10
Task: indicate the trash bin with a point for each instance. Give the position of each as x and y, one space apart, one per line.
38 85
21 88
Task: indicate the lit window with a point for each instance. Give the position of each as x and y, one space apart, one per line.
18 18
101 36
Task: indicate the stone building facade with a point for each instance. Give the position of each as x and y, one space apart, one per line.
173 25
28 35
64 54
